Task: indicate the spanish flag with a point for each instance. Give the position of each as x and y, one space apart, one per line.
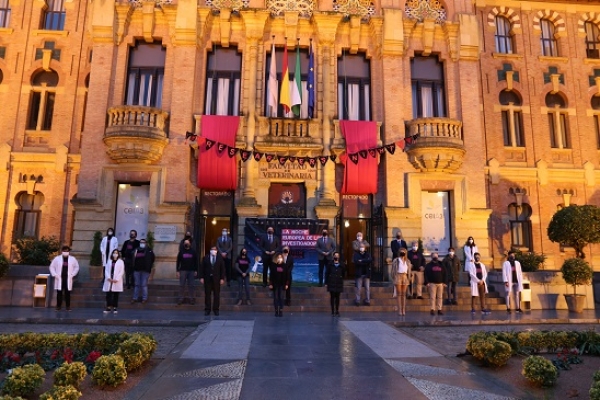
284 96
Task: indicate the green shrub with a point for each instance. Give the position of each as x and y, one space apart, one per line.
109 371
23 381
96 254
70 374
136 351
11 398
530 261
488 349
576 271
32 251
539 371
67 392
595 389
4 265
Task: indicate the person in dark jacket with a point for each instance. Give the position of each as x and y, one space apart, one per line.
362 264
187 272
289 264
417 260
435 278
279 279
452 264
334 281
269 245
242 268
188 237
127 251
143 259
398 244
212 276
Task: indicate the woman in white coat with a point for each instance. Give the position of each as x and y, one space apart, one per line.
114 271
478 275
512 275
470 249
63 268
108 244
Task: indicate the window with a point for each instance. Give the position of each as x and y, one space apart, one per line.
54 15
4 14
428 98
223 82
557 122
354 87
41 103
592 40
145 75
596 108
504 40
512 119
520 226
27 216
549 47
292 70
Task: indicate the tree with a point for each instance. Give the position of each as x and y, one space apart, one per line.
575 226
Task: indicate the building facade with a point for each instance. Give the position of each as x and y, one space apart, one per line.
439 120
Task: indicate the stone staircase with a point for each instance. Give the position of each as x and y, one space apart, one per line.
163 295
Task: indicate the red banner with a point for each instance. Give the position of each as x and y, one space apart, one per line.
217 170
359 177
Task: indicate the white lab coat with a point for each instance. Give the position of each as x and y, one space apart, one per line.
469 256
114 245
118 275
507 275
56 270
475 281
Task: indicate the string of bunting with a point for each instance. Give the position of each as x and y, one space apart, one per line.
245 155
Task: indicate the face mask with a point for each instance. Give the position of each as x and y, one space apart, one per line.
398 237
362 249
359 237
213 252
132 236
110 233
285 251
477 259
187 246
324 234
511 257
270 232
224 233
451 253
65 254
415 248
279 260
470 241
402 254
142 245
335 259
115 256
243 253
188 236
434 258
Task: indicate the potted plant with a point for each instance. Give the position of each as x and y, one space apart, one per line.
576 271
96 267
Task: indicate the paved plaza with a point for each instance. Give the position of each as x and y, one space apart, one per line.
304 356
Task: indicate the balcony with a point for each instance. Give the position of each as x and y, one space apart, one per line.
440 144
136 134
298 135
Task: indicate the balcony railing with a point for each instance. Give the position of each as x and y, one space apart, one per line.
286 127
446 129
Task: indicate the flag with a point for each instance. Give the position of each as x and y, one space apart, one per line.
311 82
297 85
272 102
284 95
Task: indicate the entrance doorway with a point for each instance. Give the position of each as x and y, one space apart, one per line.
214 212
350 227
213 226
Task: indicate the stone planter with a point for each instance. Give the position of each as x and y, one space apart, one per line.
575 302
96 272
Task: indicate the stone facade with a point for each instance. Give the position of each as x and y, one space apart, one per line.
97 141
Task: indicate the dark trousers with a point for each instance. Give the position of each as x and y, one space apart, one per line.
288 293
278 297
63 292
322 264
112 299
335 301
212 294
228 275
267 261
129 275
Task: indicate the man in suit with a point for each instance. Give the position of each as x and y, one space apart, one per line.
225 246
398 244
325 248
288 262
269 245
212 276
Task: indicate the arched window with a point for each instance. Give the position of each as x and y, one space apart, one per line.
592 40
549 47
557 121
41 104
28 214
512 119
520 226
504 39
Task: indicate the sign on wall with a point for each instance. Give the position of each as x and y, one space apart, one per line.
435 221
165 233
132 210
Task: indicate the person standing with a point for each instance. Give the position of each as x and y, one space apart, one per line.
478 274
512 274
187 272
127 252
417 261
401 268
398 244
452 265
435 276
289 264
108 244
470 249
278 282
362 264
63 268
188 237
325 247
212 276
269 245
114 272
356 244
334 281
225 247
242 267
143 259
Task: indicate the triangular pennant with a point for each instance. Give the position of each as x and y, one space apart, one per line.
269 157
401 144
301 161
408 141
391 148
363 153
257 155
323 160
292 159
282 160
373 152
414 137
245 155
312 161
332 157
231 151
221 147
209 144
343 158
380 150
353 157
191 136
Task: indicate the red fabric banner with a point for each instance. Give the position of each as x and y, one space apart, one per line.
217 170
360 177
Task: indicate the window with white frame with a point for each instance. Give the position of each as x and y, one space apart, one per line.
354 87
512 119
54 15
41 102
548 38
145 75
223 82
557 121
520 226
592 40
503 36
427 76
280 112
4 13
596 107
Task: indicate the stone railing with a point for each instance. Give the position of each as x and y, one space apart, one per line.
287 127
445 128
137 116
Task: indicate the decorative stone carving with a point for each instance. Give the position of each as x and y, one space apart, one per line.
364 9
157 3
234 5
420 10
304 8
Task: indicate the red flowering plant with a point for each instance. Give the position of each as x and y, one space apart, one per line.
565 358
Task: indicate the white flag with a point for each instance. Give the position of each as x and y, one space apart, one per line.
272 99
